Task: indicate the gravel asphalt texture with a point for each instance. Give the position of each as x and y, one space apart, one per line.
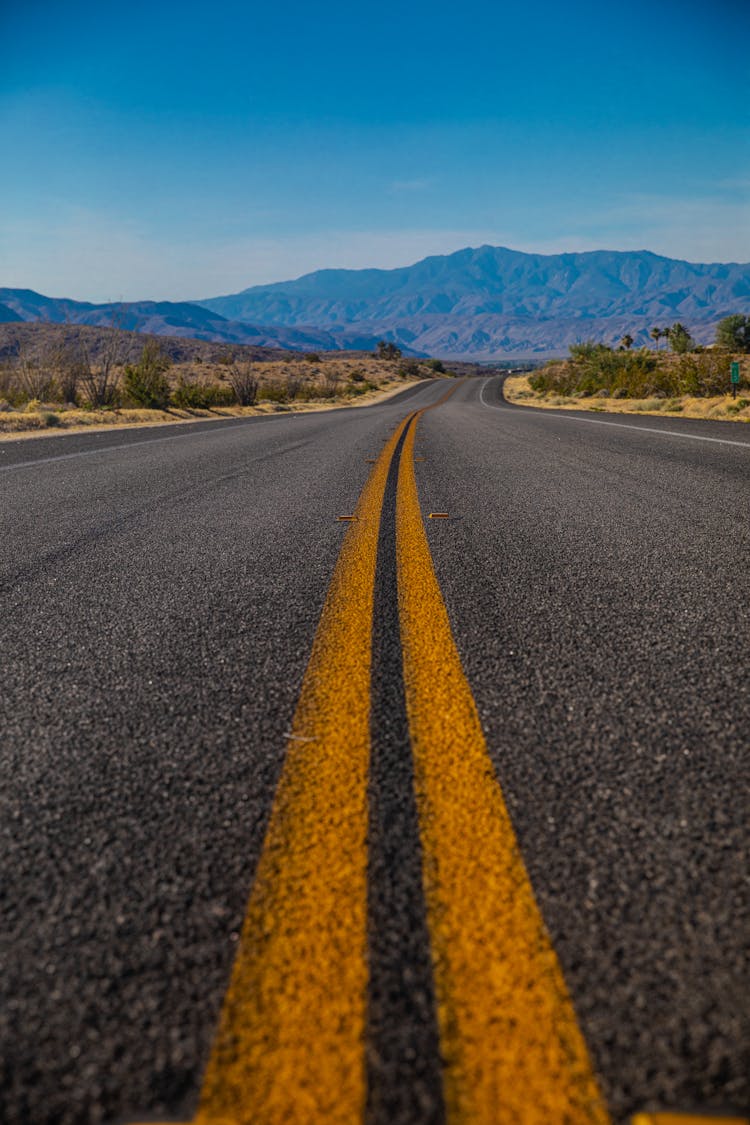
161 591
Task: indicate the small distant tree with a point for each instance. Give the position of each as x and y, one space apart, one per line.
146 382
733 333
386 349
244 383
626 342
437 365
680 340
656 335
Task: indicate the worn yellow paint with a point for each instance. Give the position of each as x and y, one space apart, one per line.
511 1043
686 1119
290 1042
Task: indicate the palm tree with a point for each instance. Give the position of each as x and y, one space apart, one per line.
656 335
626 342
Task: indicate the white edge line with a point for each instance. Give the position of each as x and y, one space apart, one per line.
622 425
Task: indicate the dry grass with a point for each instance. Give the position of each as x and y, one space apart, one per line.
718 408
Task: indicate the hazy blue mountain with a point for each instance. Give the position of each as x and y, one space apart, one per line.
474 304
7 316
164 318
489 301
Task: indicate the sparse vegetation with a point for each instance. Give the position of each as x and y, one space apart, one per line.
65 375
146 383
593 368
244 382
409 368
199 395
694 383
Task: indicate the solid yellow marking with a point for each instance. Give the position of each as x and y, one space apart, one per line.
512 1046
686 1119
290 1042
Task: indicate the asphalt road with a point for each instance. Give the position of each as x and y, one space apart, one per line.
161 592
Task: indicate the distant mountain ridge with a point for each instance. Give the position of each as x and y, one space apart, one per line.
475 304
165 318
492 301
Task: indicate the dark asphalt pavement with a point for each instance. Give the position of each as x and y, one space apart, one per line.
160 594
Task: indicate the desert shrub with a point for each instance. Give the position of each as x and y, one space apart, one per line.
312 357
593 368
331 380
272 392
408 367
49 418
244 383
294 384
357 376
100 383
10 388
146 383
36 377
72 367
197 395
704 374
436 365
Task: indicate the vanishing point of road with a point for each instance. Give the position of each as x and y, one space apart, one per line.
386 765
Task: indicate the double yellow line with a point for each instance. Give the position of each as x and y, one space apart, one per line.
291 1041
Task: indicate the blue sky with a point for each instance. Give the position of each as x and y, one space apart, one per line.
177 150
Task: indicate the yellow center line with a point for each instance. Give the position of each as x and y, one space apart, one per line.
511 1043
290 1042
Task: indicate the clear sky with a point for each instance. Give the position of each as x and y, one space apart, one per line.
176 149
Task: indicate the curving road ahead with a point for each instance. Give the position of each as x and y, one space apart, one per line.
396 818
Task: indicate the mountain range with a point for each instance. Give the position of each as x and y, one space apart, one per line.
478 304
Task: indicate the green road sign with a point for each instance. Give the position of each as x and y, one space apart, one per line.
735 372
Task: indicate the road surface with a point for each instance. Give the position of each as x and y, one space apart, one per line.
396 819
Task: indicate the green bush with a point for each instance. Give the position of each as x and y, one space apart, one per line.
594 368
201 396
272 392
146 383
408 367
